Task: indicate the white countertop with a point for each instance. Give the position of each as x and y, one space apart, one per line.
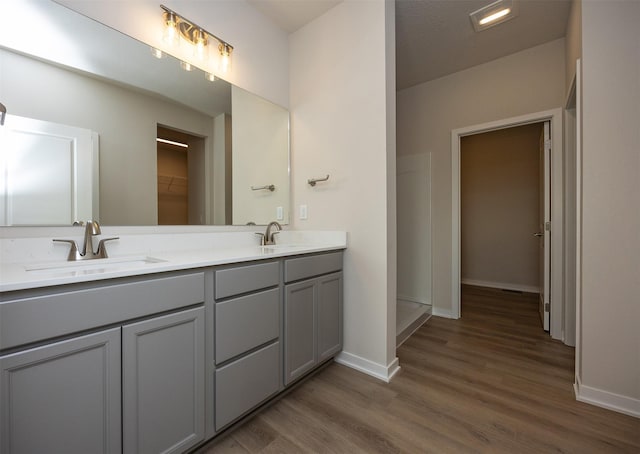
182 255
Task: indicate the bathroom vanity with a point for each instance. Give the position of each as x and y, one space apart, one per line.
162 356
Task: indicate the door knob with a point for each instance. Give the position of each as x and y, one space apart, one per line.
538 234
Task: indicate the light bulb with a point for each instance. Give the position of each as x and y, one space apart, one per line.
157 53
171 35
186 66
494 17
225 58
210 77
201 40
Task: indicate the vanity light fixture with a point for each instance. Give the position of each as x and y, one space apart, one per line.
177 26
494 14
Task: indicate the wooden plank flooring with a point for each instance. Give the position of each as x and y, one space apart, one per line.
492 381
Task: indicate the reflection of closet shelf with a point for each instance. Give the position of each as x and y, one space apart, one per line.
172 184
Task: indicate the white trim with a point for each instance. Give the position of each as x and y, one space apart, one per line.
502 285
555 116
578 218
412 299
605 399
384 373
437 312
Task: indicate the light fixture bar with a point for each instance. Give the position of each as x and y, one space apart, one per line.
171 142
196 28
495 16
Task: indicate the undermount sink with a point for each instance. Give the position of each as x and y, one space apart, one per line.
92 266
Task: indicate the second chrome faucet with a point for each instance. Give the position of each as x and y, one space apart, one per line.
92 228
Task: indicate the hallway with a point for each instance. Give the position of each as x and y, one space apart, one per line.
492 381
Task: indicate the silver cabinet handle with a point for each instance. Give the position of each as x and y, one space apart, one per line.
538 234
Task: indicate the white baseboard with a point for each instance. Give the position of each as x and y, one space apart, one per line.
502 285
412 299
384 373
445 313
605 399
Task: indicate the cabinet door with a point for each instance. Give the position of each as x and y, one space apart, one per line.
62 397
300 329
163 383
329 315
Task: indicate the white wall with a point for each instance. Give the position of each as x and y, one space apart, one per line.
573 41
525 82
610 286
342 125
260 137
414 209
260 60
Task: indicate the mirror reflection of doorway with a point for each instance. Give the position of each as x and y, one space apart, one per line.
181 178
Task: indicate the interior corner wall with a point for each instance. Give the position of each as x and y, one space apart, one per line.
260 59
610 309
339 119
522 83
499 208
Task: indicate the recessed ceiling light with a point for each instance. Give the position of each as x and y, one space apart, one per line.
494 14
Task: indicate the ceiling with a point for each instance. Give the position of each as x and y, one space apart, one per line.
435 37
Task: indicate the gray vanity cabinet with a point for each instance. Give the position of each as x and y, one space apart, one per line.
312 312
163 383
138 385
248 354
62 397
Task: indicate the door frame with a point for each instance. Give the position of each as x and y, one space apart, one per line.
556 296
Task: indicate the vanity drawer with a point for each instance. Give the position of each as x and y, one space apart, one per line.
244 384
246 322
314 265
244 279
32 319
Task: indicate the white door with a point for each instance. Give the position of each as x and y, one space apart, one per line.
48 173
544 228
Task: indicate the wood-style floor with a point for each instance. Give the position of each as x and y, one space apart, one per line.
492 381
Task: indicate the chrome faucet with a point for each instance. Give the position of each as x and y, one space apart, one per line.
92 228
268 238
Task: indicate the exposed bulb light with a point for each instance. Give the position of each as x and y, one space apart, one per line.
171 35
201 40
225 58
210 77
494 17
186 66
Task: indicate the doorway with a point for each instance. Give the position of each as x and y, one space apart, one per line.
181 178
556 210
503 210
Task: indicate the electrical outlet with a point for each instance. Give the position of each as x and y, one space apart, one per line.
279 214
303 212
